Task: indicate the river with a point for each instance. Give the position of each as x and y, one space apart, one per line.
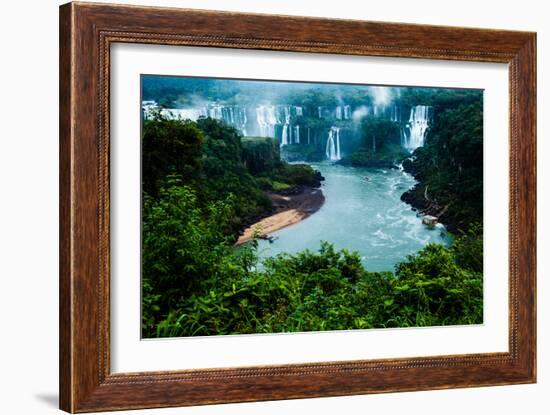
360 215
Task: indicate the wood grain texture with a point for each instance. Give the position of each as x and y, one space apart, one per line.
86 33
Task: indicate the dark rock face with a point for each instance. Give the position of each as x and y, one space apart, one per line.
416 198
318 179
410 167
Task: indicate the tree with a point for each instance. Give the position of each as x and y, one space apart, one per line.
169 146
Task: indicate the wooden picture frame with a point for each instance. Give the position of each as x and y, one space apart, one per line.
86 33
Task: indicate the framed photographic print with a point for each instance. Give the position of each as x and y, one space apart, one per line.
253 208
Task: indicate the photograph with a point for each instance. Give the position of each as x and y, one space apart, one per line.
283 206
275 207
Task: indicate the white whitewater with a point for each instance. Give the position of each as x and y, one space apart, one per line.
394 116
192 114
417 127
267 119
342 112
279 121
384 236
333 144
347 112
286 137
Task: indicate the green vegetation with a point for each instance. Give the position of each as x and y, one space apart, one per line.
213 160
449 168
261 155
306 152
195 283
202 183
441 99
380 145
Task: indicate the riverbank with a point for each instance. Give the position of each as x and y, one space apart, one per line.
419 198
360 215
289 209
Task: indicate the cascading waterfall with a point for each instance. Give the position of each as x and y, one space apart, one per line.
267 120
279 121
269 117
297 134
286 137
342 112
184 114
417 127
404 138
233 115
215 112
347 112
394 116
333 144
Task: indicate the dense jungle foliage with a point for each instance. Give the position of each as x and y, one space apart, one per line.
380 145
213 160
449 167
196 283
202 182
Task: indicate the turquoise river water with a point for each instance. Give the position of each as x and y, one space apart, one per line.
361 215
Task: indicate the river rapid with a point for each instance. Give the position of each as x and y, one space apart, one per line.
362 212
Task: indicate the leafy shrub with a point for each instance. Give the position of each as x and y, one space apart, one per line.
326 290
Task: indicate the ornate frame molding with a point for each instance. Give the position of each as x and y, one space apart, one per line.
86 34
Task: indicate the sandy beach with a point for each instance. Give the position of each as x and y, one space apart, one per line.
289 210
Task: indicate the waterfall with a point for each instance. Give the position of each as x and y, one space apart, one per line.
297 134
347 112
215 112
284 137
333 144
266 119
287 114
404 138
233 115
244 121
338 112
192 114
394 113
418 125
290 135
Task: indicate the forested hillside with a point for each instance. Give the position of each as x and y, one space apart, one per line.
449 168
203 182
